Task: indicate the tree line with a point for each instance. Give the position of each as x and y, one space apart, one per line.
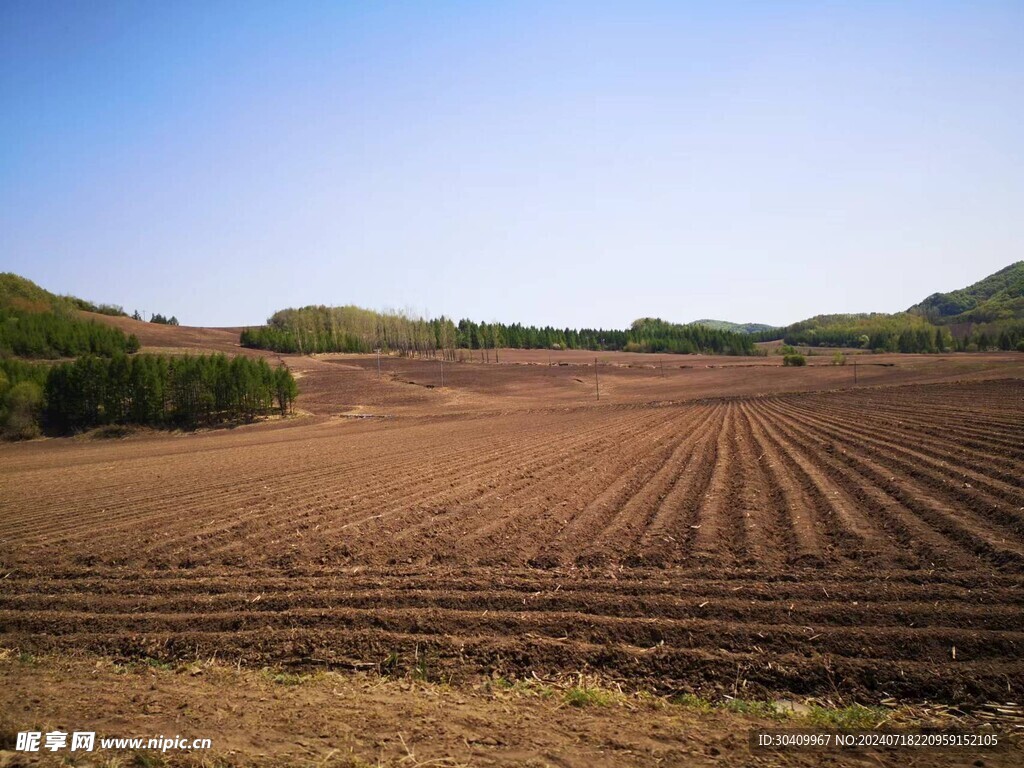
150 390
353 329
157 318
902 332
55 334
21 397
1002 335
158 390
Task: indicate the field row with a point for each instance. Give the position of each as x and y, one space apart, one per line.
865 542
838 480
747 633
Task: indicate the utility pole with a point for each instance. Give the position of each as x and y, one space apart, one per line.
378 362
442 373
597 381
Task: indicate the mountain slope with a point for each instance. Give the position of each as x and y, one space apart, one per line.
1000 296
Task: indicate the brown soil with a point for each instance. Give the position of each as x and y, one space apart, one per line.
156 337
742 529
357 720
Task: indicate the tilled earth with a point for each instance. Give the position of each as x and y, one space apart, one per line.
865 543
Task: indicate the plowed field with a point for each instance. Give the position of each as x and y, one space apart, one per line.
868 542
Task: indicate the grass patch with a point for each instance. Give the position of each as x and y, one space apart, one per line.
852 717
692 701
753 708
587 696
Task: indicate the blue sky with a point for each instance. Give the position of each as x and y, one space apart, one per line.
578 164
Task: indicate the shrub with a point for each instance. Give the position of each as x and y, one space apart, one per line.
794 360
23 401
838 359
1020 345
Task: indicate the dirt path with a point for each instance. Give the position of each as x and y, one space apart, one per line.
357 720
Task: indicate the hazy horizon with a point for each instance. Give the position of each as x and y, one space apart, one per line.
573 165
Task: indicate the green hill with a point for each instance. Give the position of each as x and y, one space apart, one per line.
725 325
986 315
17 292
1000 296
35 323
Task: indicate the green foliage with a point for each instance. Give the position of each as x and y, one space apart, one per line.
1003 335
285 388
52 335
161 320
351 329
114 310
654 335
838 359
893 333
20 381
986 315
693 701
586 696
163 391
752 708
1000 296
16 291
35 323
22 403
795 360
725 325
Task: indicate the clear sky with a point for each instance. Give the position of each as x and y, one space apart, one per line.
579 164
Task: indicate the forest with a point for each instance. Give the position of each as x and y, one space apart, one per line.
54 335
107 383
148 390
996 298
987 315
158 390
901 332
35 323
353 329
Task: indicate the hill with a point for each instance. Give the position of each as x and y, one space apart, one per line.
988 314
1000 296
35 323
725 325
18 292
